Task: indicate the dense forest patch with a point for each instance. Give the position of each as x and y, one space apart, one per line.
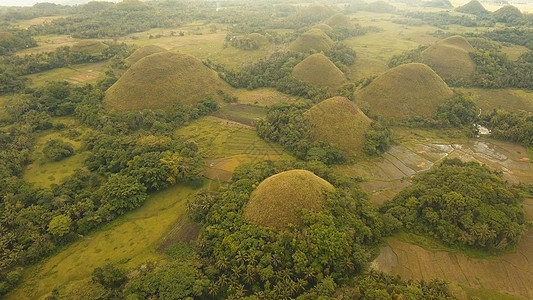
463 204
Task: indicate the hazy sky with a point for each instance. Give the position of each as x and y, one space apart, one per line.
32 2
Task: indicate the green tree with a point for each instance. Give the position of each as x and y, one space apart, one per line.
60 225
57 149
122 193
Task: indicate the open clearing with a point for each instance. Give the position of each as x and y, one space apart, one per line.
241 113
44 172
263 96
82 73
374 49
129 240
227 144
200 43
508 99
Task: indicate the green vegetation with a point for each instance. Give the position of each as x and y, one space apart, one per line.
109 110
56 149
462 204
406 90
160 80
278 200
286 125
516 127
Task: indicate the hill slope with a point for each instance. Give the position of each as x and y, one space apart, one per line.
339 20
89 46
318 70
314 39
279 199
338 121
159 80
143 52
473 7
450 59
407 90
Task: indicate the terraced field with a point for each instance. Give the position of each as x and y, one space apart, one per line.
227 144
510 273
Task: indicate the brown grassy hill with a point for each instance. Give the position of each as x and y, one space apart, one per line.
324 27
89 46
339 121
339 20
450 58
473 7
143 52
279 199
407 90
159 80
313 39
260 39
318 70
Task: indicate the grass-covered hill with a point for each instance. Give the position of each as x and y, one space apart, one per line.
338 121
89 46
473 7
278 200
450 58
318 70
507 14
339 20
159 80
143 52
324 27
314 39
407 90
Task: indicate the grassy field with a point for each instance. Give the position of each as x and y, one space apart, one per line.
508 99
263 96
219 138
226 144
199 42
130 240
48 43
43 171
374 49
83 73
241 113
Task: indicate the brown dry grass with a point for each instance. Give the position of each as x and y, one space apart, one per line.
143 52
159 80
450 59
339 20
407 90
89 46
314 39
339 121
318 70
279 199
